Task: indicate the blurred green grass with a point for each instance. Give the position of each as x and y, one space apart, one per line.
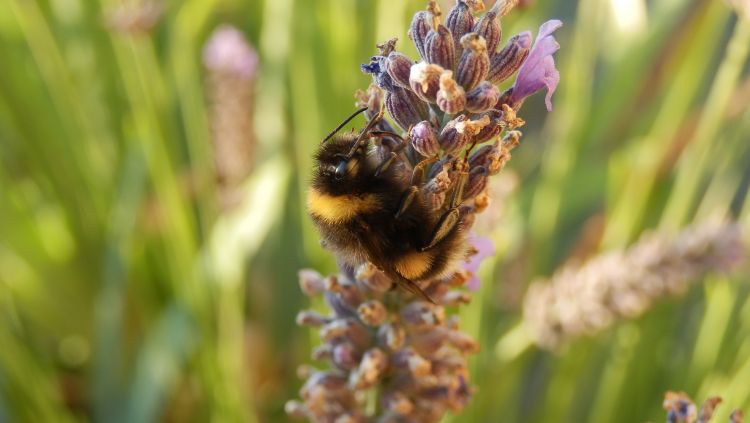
124 297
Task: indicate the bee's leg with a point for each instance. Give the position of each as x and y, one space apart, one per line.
416 180
412 287
450 218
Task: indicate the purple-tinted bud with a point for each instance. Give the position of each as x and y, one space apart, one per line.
311 318
439 47
506 62
451 97
345 356
420 26
538 70
477 182
405 107
443 165
493 129
377 69
311 282
424 80
460 21
372 313
474 63
398 67
424 139
482 98
488 27
483 155
459 131
346 330
408 358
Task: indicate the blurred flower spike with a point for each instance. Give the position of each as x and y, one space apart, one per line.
681 409
538 71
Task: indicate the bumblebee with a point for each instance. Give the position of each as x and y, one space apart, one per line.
366 208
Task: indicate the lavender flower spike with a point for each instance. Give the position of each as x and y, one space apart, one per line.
538 71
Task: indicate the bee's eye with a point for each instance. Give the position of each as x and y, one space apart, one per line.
341 169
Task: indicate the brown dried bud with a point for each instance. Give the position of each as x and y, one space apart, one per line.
398 67
477 182
474 63
424 139
397 403
295 410
372 313
311 282
488 27
505 6
373 278
370 370
392 336
507 61
408 358
420 26
440 48
345 329
438 183
451 98
421 314
482 98
455 298
424 80
311 318
459 21
459 131
493 129
405 107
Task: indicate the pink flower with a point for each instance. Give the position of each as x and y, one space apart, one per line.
485 248
538 71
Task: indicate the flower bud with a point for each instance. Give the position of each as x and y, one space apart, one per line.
373 278
438 183
370 370
488 27
459 21
416 364
440 48
311 282
345 356
391 336
421 314
424 80
493 129
474 63
376 68
477 182
420 26
423 138
398 67
311 318
372 313
405 107
459 131
451 98
507 61
397 403
482 98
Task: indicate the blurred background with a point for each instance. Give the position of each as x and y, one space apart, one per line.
153 162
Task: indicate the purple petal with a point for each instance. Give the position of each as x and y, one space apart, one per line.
538 71
485 248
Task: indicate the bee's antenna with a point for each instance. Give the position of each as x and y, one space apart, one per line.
341 125
371 124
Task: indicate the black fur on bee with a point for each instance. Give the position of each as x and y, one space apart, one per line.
367 208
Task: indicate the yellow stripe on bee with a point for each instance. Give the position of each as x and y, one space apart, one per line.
414 264
339 208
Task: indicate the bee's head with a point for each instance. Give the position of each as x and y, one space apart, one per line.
339 170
